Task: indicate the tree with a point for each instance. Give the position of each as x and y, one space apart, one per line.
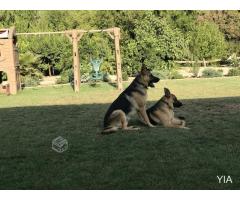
227 21
207 41
29 65
157 44
153 38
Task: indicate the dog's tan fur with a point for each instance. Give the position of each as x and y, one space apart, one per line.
130 101
163 112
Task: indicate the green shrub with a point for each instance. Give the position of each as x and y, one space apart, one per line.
66 77
234 72
124 76
30 81
234 61
162 74
209 73
62 80
174 74
168 74
195 69
106 77
84 77
106 68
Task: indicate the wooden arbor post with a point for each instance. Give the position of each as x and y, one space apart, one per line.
116 37
74 37
116 32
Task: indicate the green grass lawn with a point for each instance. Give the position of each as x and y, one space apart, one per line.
156 158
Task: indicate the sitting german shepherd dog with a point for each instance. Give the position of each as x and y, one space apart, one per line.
131 100
163 112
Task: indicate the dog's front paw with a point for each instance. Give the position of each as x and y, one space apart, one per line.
183 123
186 128
152 126
135 128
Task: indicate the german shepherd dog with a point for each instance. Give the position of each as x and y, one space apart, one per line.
163 112
131 100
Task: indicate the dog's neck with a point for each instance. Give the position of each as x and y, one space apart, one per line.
169 106
141 83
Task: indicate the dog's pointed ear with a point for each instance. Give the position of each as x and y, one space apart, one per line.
167 92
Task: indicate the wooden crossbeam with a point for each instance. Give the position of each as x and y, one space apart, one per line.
42 33
190 61
64 32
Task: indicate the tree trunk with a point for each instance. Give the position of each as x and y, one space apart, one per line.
49 71
53 72
204 63
1 77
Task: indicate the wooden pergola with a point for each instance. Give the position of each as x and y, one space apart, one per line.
75 36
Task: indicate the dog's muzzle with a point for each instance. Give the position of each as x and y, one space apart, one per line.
154 79
177 104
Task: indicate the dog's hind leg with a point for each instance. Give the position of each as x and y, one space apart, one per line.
114 122
109 130
118 119
124 122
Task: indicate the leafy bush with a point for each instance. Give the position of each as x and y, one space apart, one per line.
162 74
207 41
154 42
195 69
29 65
168 74
124 76
84 77
209 73
234 61
62 80
106 68
234 72
174 74
106 77
66 77
30 81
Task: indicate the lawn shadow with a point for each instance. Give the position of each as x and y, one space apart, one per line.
151 158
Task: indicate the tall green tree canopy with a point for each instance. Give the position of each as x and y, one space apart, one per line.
153 38
207 41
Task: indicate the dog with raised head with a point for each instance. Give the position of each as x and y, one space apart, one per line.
132 100
163 111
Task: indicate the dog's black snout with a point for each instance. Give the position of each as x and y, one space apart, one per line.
177 104
155 79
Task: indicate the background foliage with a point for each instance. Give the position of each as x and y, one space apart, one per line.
153 38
